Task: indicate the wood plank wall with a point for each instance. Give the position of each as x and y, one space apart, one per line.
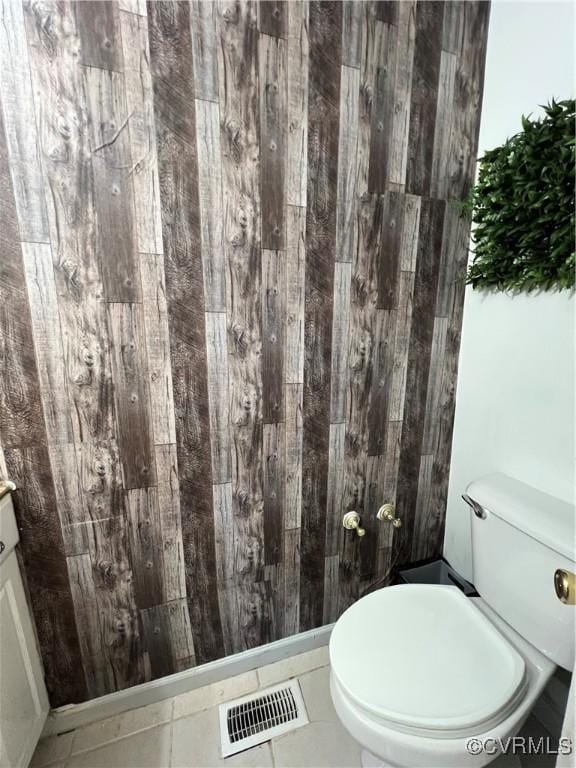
232 252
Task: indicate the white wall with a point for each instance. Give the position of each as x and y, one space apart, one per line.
515 395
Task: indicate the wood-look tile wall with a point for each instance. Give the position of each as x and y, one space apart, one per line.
231 293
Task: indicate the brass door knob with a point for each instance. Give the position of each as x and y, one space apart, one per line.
351 521
386 514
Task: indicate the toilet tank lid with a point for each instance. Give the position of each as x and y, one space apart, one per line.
539 515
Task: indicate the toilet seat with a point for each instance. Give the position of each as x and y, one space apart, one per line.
422 658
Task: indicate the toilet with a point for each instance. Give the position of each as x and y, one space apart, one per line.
422 675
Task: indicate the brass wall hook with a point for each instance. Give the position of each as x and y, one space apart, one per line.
351 521
386 514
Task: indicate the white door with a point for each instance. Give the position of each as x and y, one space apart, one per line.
23 698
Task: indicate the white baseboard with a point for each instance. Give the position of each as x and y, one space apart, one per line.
73 716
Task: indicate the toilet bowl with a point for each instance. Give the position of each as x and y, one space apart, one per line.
422 675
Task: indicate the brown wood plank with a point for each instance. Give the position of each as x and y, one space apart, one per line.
157 341
59 90
405 39
374 36
47 341
113 189
352 33
423 100
383 363
239 119
274 466
387 11
42 551
144 532
157 640
273 335
175 118
442 129
331 595
388 270
100 480
174 575
225 552
323 127
140 108
468 89
382 109
346 211
99 677
69 499
204 49
181 635
297 116
210 198
129 368
295 279
20 402
99 31
273 114
291 581
426 282
218 395
293 502
336 475
20 125
340 342
272 17
122 652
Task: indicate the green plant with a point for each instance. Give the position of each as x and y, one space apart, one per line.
523 207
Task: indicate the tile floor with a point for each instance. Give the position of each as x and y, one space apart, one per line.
183 732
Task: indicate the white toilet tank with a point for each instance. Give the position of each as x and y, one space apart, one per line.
520 538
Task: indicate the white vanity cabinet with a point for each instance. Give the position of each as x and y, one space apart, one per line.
23 698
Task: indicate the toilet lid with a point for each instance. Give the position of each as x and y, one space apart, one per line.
424 656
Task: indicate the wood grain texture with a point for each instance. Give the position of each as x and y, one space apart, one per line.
144 533
99 32
273 335
157 341
295 288
325 26
424 94
210 199
346 212
47 343
46 573
59 86
140 109
297 66
272 17
218 395
293 488
424 302
113 190
230 306
174 575
20 125
273 112
238 70
204 49
171 63
340 342
352 33
131 395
